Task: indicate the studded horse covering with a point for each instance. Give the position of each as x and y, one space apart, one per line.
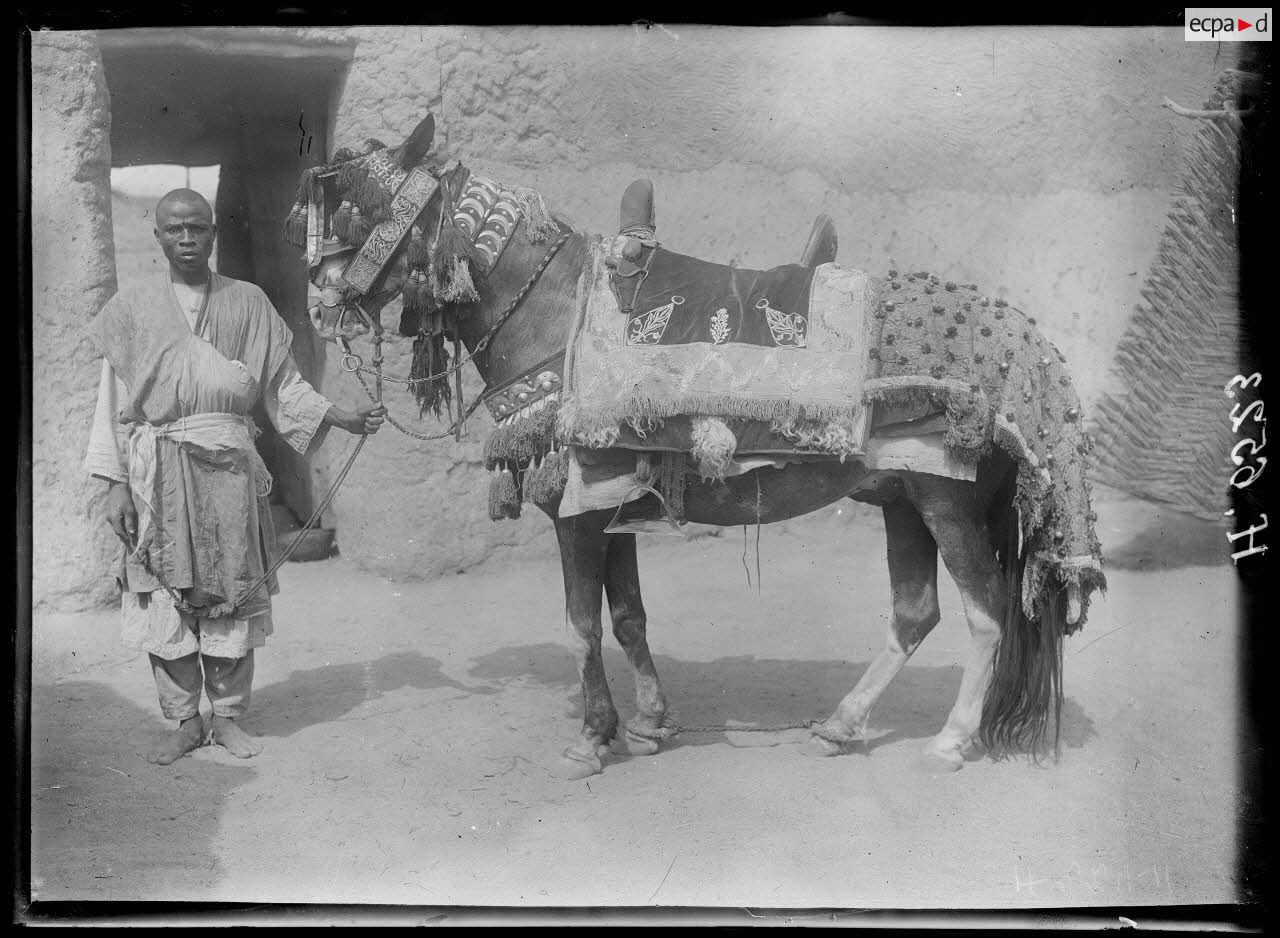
1002 384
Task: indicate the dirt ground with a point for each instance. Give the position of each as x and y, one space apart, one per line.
409 728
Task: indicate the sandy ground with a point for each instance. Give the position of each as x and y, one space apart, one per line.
408 731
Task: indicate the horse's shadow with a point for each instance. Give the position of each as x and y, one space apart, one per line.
760 692
321 695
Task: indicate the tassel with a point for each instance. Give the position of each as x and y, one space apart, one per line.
343 155
546 483
416 253
358 227
351 176
295 225
418 304
430 357
342 222
539 224
459 288
504 498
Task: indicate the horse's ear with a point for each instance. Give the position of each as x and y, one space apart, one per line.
418 143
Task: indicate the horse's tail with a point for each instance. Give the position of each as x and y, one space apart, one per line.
1025 693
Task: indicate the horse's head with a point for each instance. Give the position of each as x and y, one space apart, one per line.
345 203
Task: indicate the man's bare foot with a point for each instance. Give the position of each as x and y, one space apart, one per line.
237 741
177 743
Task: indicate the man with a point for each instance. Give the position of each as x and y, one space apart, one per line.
185 359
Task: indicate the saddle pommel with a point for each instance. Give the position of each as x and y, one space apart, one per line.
637 208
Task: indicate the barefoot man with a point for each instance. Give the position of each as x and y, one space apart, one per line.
186 357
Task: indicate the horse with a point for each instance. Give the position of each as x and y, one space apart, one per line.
517 312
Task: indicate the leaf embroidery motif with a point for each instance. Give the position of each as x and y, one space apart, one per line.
787 328
720 326
647 328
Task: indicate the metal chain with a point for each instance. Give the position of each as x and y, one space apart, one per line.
725 728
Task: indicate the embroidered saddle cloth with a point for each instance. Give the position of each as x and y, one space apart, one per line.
787 347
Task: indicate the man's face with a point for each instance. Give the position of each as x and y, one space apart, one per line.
185 231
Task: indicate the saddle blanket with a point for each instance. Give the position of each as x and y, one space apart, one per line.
787 346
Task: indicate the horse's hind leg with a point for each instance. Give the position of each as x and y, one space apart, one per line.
583 557
622 589
913 577
955 514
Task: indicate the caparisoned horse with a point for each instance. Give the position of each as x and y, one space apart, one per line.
487 267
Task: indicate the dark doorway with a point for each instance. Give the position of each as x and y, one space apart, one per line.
258 107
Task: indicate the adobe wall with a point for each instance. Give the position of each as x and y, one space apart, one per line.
1037 163
73 274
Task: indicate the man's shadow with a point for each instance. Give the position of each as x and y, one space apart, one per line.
106 824
320 695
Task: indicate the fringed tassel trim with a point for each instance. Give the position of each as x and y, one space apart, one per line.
527 435
504 495
968 435
595 427
430 357
545 482
538 221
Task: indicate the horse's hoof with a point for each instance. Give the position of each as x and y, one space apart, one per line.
574 765
821 747
637 745
939 761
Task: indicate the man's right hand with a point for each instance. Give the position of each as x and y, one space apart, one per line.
121 514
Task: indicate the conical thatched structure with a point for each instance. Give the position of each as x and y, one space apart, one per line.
1164 434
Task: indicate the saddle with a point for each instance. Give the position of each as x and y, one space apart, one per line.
631 259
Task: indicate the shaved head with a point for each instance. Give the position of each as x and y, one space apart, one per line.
188 198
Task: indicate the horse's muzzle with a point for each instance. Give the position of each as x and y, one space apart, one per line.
332 317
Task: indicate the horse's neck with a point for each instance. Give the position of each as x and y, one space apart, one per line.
538 328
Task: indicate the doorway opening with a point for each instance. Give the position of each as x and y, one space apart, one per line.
235 114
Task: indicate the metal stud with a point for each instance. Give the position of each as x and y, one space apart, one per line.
918 321
951 332
1009 354
895 285
950 356
985 330
892 274
1001 303
926 348
1009 416
1048 458
938 310
984 302
1041 432
1044 362
999 314
1072 414
937 371
960 316
978 358
1004 369
1026 397
889 305
929 289
950 286
547 385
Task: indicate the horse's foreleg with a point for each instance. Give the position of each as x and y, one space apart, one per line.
952 510
583 548
622 589
913 576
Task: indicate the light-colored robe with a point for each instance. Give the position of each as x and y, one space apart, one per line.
203 509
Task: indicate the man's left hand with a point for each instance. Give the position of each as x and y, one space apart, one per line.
368 419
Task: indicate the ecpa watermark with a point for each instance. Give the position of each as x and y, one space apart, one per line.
1228 24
